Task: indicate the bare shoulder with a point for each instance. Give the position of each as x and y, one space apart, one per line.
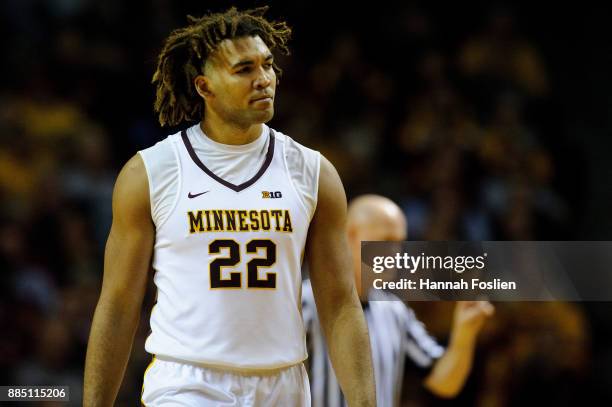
133 173
131 238
131 193
331 204
331 191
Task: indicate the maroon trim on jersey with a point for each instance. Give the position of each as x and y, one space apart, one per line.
220 180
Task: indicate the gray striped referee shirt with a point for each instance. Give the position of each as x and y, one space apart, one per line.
395 334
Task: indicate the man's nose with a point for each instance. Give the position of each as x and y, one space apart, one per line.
263 79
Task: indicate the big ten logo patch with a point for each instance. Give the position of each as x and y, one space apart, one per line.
271 194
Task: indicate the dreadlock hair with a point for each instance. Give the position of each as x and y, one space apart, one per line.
186 50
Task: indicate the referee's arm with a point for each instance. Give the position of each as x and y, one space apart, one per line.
333 284
451 371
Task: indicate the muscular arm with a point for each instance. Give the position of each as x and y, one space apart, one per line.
126 265
333 285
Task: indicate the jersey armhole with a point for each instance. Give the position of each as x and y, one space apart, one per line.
179 185
316 189
309 214
150 181
295 190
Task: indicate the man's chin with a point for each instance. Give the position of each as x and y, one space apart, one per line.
264 116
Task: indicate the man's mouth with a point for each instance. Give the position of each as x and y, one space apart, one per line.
262 98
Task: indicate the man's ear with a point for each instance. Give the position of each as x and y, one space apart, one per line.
202 86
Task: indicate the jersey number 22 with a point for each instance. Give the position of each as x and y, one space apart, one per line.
235 277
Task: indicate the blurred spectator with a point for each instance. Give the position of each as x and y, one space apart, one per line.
500 58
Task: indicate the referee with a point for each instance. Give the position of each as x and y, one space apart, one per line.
396 335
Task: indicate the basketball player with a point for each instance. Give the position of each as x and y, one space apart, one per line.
224 211
395 332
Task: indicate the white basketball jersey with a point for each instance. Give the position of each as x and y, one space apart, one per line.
227 260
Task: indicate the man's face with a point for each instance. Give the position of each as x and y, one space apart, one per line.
389 231
240 81
384 227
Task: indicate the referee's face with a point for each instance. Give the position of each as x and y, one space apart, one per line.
390 231
385 227
239 82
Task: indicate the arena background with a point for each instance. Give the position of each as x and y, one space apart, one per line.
483 121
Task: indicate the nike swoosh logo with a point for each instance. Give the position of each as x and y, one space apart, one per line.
190 195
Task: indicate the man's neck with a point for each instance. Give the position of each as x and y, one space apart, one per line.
230 133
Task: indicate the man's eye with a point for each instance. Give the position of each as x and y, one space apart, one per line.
268 66
244 70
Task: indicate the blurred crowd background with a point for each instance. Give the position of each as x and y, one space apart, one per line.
482 122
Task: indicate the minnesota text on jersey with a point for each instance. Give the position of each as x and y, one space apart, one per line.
236 220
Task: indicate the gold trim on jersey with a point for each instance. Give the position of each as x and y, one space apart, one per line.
143 377
268 371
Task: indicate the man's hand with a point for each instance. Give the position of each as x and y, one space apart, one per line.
469 317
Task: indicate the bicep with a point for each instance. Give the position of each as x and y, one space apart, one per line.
328 250
130 243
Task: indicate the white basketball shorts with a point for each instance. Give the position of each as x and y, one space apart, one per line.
172 383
